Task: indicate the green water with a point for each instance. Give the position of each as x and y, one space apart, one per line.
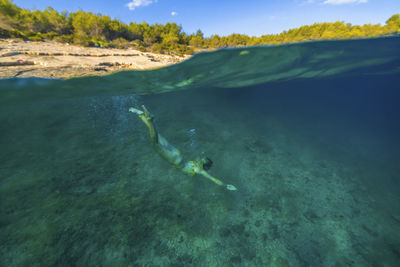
308 133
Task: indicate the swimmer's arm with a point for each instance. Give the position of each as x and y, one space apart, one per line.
217 181
193 167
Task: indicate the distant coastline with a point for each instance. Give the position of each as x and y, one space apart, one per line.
51 59
98 30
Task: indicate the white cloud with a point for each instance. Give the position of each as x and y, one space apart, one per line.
174 13
137 3
341 2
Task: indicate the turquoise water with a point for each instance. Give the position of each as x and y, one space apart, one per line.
308 133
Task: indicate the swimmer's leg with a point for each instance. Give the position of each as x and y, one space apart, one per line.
160 144
147 118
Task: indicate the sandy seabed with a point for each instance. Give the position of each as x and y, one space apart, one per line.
83 187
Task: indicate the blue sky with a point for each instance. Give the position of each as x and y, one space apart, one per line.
223 17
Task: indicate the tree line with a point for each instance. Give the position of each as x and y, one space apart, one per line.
88 29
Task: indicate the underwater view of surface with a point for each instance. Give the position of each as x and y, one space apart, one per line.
308 133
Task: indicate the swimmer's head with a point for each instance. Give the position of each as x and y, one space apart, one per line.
206 163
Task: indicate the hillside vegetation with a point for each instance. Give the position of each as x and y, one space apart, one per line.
88 29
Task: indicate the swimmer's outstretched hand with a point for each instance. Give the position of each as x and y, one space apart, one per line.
231 187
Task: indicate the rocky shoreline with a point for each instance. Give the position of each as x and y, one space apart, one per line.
58 60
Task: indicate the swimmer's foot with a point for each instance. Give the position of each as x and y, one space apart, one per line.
145 115
136 111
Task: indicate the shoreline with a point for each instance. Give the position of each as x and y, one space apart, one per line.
51 59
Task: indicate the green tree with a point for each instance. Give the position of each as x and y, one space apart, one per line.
8 8
393 24
197 40
136 31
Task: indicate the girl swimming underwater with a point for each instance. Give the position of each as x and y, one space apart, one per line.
173 155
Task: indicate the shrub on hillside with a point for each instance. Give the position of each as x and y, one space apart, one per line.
120 43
